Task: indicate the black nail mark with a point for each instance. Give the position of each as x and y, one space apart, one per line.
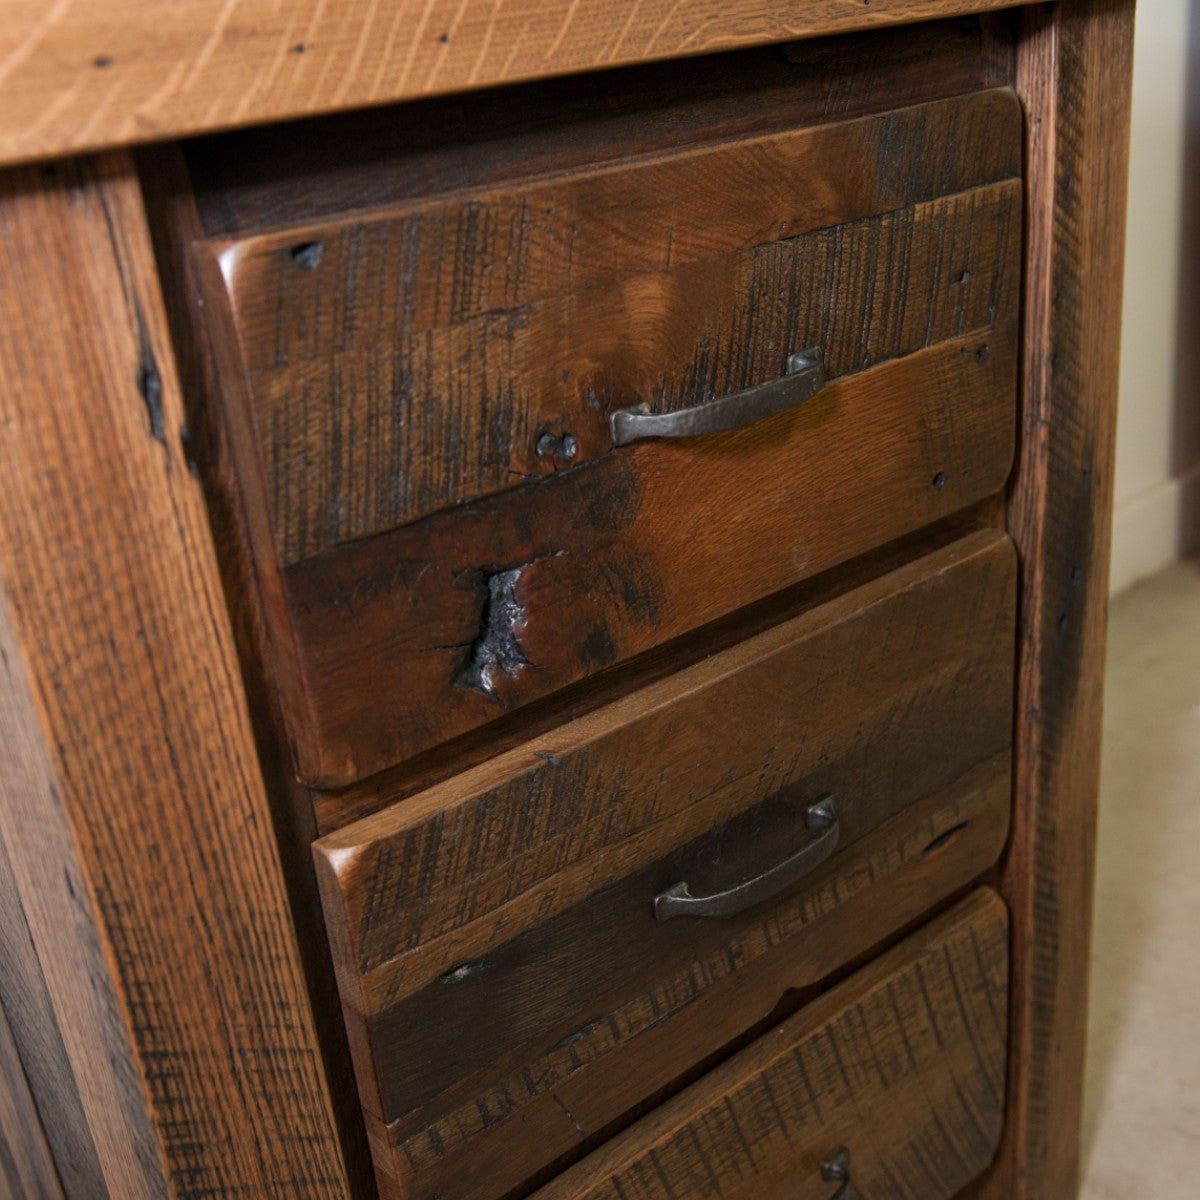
308 255
944 839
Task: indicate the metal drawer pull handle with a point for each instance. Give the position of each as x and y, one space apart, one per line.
804 379
678 901
837 1170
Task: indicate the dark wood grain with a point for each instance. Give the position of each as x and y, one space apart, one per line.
457 336
336 809
559 580
1074 78
27 1170
645 773
445 398
138 718
537 958
903 1064
256 180
565 1094
547 980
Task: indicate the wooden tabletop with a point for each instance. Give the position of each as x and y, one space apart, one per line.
77 75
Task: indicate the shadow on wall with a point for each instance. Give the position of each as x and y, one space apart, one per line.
1186 440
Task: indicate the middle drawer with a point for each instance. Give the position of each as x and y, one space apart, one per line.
552 938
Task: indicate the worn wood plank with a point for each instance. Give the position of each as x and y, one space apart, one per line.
1074 78
376 406
75 77
482 609
336 809
27 1170
55 980
137 712
173 222
903 1065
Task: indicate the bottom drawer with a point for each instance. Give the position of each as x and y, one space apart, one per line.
892 1082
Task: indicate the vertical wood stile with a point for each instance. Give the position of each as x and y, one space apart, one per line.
1073 75
135 718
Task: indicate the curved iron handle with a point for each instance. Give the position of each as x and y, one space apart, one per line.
678 901
837 1170
804 379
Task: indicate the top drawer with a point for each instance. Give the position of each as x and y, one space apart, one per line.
420 403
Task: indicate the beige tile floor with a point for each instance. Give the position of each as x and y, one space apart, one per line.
1142 1109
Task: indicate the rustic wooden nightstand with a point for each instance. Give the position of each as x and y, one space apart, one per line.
553 608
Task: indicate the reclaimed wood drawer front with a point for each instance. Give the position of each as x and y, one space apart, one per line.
421 401
900 1070
499 958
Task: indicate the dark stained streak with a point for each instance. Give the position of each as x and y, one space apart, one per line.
149 384
944 839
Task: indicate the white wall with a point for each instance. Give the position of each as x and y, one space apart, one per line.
1157 514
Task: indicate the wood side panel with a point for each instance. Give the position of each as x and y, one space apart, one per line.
436 408
903 1065
304 172
418 635
136 706
566 1092
56 981
76 77
27 1170
525 836
1074 73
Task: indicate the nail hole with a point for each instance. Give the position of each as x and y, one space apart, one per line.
308 255
939 480
101 61
1064 623
461 972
